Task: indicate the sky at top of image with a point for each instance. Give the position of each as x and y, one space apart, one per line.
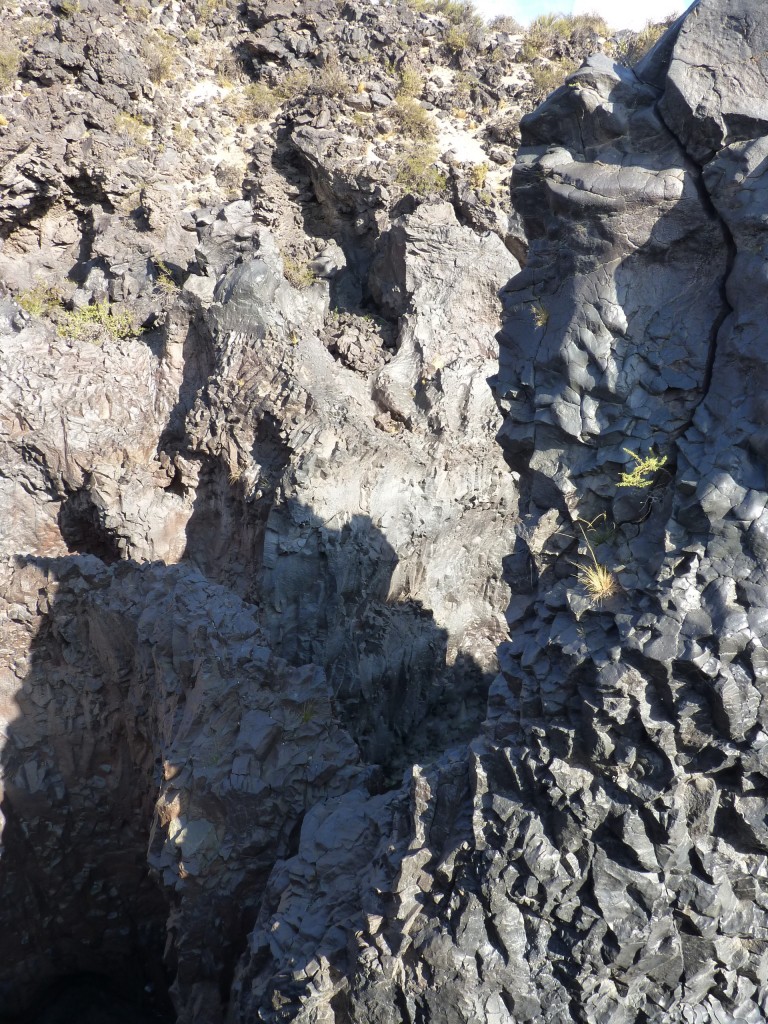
618 13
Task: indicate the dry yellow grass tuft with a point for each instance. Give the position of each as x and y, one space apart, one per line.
599 583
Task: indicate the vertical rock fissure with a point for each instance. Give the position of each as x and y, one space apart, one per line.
731 249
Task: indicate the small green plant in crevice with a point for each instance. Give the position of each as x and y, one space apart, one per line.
644 471
298 272
41 300
164 277
595 534
540 314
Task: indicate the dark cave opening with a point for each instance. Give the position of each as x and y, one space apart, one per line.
83 530
91 954
92 998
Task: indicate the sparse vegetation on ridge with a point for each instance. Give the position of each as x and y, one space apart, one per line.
644 471
10 61
547 33
634 45
89 323
417 174
505 23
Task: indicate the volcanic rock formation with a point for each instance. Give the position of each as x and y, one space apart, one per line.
268 753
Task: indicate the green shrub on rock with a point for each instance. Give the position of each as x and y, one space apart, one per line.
332 79
416 173
412 119
90 323
260 100
10 61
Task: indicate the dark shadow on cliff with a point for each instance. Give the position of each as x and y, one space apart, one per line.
225 534
199 363
90 999
323 594
81 760
77 807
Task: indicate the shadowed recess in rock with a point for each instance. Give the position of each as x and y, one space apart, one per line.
152 708
94 999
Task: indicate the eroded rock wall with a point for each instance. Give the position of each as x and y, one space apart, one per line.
252 504
253 553
600 855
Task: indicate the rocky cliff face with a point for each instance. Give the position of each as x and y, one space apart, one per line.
268 753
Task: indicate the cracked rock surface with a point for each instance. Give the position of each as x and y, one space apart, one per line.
337 687
600 854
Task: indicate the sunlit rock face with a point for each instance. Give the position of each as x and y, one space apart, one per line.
600 852
252 524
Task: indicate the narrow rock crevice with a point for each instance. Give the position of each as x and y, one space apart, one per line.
731 251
